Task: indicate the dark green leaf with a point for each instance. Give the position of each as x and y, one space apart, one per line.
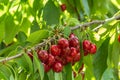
85 5
68 70
51 75
100 60
21 37
51 13
38 66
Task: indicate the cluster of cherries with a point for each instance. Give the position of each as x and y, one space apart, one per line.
64 52
88 47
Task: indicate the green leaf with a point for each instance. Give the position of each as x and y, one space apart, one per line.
38 36
67 31
25 26
79 77
68 70
110 74
100 59
2 31
10 29
21 37
51 75
25 63
5 72
51 13
85 7
38 66
22 76
58 76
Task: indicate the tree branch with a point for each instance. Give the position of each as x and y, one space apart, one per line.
96 22
52 39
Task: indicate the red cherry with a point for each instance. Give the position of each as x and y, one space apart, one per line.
43 55
73 42
63 43
77 57
51 60
65 52
119 37
30 54
86 45
69 59
57 67
46 67
63 7
55 50
73 52
78 48
93 49
71 35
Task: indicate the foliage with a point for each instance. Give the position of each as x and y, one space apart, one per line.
25 23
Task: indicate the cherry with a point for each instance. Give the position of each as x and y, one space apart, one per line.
73 52
65 52
43 55
46 67
77 57
93 49
57 67
69 59
73 42
63 7
71 35
50 60
55 50
119 37
86 45
63 43
78 48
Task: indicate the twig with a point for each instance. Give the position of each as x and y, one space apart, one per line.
52 39
21 54
96 22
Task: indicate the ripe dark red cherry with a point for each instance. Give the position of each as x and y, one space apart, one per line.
86 45
73 52
55 50
77 57
63 7
43 55
63 43
51 60
119 37
57 67
65 51
93 48
73 42
69 59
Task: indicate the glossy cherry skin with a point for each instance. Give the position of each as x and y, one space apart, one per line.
43 55
57 67
55 50
51 60
63 43
93 49
73 42
86 45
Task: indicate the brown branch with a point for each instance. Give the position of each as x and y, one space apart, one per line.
52 39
